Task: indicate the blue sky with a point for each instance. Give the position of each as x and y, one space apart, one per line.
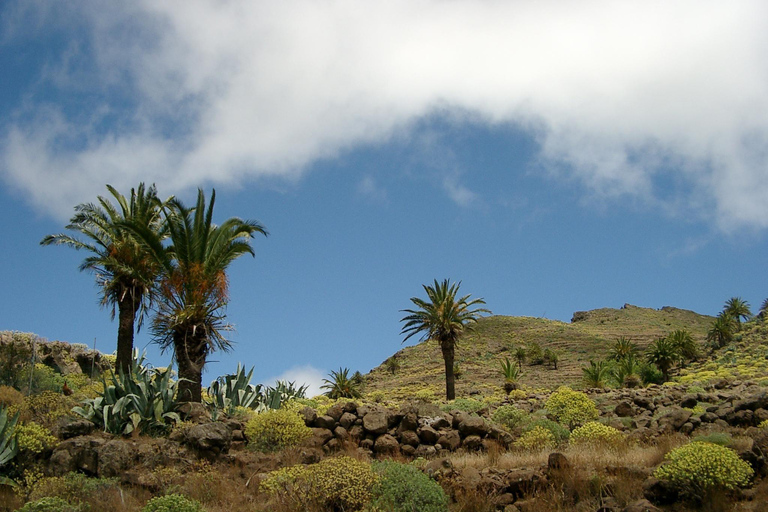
554 157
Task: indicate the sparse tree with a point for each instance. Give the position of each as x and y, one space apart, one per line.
721 331
443 317
664 354
738 309
686 345
596 374
124 270
520 356
764 309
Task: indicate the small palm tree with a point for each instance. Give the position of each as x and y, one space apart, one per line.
763 309
443 317
511 375
664 354
686 345
596 374
124 270
626 372
737 308
520 355
622 348
721 331
341 385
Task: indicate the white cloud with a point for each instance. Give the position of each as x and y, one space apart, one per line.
301 375
619 94
368 187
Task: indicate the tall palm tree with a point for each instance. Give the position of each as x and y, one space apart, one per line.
721 331
442 318
193 286
737 308
124 270
686 345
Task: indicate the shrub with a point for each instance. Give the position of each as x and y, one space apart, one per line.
276 429
698 468
719 438
35 438
536 439
571 407
559 432
763 424
50 504
509 416
403 488
72 487
172 503
46 408
594 433
534 353
464 404
596 374
339 483
10 396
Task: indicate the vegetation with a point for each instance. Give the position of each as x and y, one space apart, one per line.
595 434
571 407
664 353
442 318
8 444
596 374
340 385
172 503
721 331
509 416
511 374
536 439
276 429
738 309
123 269
404 488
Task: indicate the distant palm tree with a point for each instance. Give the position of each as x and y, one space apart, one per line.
341 385
193 286
737 308
686 345
664 354
622 348
721 331
124 270
596 374
764 309
520 354
443 317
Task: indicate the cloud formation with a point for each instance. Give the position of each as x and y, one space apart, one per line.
305 375
629 98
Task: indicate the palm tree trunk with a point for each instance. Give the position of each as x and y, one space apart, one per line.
127 308
448 349
190 356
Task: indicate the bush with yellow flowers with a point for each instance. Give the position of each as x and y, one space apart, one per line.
536 439
699 467
594 433
571 407
276 429
34 438
339 483
509 416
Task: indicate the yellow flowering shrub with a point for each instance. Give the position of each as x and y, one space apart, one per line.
571 407
594 433
34 438
339 483
700 467
46 408
509 416
276 429
536 439
763 424
518 394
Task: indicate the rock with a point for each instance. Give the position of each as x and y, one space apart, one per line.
440 422
209 439
347 420
320 436
335 412
687 428
641 506
472 443
757 401
689 401
356 432
449 439
332 445
407 450
428 435
409 437
523 481
386 444
366 444
425 451
659 492
643 402
473 426
557 461
340 433
194 412
503 500
115 457
439 467
76 454
708 417
309 415
674 418
325 422
376 422
624 409
75 428
409 422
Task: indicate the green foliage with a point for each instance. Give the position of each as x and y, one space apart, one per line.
50 504
721 332
622 348
698 468
392 365
626 372
738 309
276 429
35 438
234 390
596 375
520 355
140 399
718 438
39 377
664 354
686 345
509 416
8 443
172 503
650 374
594 433
464 404
404 488
559 432
551 358
340 385
534 353
571 407
536 439
511 373
338 483
72 487
15 356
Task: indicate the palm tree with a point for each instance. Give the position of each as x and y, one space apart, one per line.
193 285
737 309
442 318
721 331
764 309
596 374
686 345
123 269
520 355
622 348
341 385
511 375
664 354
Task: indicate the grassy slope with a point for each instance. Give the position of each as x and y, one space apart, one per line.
482 348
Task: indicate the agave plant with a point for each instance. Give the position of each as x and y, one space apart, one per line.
341 385
596 374
234 390
142 399
511 373
8 445
274 397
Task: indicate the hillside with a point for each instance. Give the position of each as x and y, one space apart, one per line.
589 335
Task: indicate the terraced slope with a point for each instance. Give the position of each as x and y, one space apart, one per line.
589 336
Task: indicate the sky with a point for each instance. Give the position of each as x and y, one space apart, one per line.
552 156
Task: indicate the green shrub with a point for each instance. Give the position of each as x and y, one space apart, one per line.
403 488
593 433
464 404
559 432
509 416
571 407
50 504
698 468
276 429
339 483
35 438
172 503
72 487
536 439
719 438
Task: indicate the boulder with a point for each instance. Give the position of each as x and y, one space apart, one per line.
428 435
473 426
689 401
309 415
77 454
449 439
320 436
658 491
209 439
325 421
472 442
75 428
409 437
386 444
522 482
115 457
557 462
674 418
624 409
347 420
410 422
376 422
340 433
